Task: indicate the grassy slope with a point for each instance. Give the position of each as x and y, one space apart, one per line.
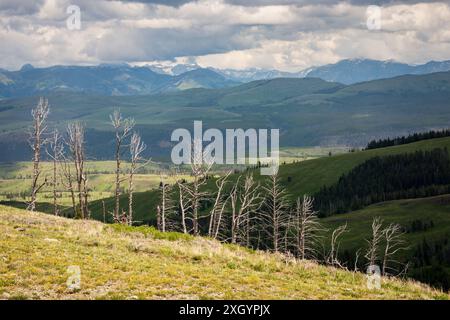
403 212
310 176
122 262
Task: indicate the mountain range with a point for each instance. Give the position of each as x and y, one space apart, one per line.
123 79
308 112
114 80
345 71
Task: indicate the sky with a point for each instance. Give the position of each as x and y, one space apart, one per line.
288 35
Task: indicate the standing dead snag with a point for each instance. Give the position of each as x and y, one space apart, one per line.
67 177
333 256
40 114
200 167
166 205
275 216
216 213
372 253
137 147
55 153
245 200
122 129
76 144
394 243
306 226
183 205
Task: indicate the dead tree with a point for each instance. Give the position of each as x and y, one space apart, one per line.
76 144
166 205
67 179
183 204
200 168
372 253
39 114
245 200
216 213
276 215
306 228
333 256
137 147
55 153
104 211
122 129
393 236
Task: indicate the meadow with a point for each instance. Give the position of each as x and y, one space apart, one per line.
121 262
15 180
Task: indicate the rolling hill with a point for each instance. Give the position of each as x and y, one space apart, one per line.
426 222
308 112
118 262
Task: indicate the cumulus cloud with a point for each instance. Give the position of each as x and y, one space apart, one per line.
285 34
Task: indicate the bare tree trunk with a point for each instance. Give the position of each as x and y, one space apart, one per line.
199 170
76 144
333 257
56 150
393 235
137 147
245 200
67 180
163 208
122 129
55 196
372 253
276 215
195 204
130 198
104 211
306 226
183 206
158 217
40 114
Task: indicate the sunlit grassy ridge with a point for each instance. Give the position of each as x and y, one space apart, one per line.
139 263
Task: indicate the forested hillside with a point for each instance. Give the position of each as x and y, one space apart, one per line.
414 175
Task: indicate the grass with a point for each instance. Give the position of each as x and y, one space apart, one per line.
15 177
119 262
309 176
15 180
403 212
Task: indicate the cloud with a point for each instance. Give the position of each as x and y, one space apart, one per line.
286 34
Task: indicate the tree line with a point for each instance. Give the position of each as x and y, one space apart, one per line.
411 175
388 142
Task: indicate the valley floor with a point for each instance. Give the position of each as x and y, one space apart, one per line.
119 262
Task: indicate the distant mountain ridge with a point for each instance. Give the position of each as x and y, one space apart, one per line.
347 71
104 79
360 70
123 79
